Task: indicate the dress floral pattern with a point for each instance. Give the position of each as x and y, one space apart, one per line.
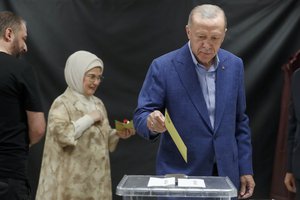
76 169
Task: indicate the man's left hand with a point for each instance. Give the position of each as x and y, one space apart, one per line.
247 186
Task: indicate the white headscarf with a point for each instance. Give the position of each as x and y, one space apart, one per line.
77 64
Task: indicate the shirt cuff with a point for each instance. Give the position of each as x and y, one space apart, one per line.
82 124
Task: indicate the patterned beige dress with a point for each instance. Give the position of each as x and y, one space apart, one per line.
76 169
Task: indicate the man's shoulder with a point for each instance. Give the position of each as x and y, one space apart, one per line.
174 54
223 54
12 62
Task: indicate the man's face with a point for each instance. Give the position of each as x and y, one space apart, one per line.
18 45
206 37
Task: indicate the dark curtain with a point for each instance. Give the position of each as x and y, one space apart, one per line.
128 34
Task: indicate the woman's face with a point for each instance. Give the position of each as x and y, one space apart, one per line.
91 81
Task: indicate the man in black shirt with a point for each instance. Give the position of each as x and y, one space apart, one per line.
22 121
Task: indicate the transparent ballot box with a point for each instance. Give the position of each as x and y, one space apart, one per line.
137 187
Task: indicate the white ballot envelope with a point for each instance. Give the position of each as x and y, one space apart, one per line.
161 182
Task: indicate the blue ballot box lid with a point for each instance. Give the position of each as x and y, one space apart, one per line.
215 187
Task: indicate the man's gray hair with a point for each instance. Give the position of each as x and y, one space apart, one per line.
207 11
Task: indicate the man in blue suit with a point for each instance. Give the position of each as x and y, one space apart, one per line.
202 88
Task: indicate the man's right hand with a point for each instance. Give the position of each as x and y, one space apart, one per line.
156 122
289 181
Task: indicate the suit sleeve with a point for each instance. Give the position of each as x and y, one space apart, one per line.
151 98
243 133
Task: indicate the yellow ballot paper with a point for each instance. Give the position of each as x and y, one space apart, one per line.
120 126
175 136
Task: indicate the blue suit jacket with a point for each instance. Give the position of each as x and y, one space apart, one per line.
172 83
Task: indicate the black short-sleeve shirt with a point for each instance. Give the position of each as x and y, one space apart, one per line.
19 92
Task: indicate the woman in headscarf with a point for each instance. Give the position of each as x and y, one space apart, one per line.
75 163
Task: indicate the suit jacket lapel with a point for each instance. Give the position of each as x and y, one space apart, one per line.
188 76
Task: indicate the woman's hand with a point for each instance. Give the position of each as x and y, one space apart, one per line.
97 116
126 133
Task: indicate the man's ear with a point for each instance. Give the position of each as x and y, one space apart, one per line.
8 35
187 29
224 34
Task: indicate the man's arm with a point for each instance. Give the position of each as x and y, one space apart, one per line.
36 126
